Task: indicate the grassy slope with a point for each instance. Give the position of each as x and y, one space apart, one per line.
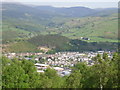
9 32
50 41
59 43
14 29
96 28
22 46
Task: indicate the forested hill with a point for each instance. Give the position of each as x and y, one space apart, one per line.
59 43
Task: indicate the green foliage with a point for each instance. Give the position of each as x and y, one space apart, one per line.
22 46
74 80
59 43
85 72
13 76
81 46
32 72
105 72
23 74
51 41
53 78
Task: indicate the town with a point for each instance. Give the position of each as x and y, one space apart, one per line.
60 61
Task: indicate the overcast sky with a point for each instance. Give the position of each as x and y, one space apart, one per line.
70 3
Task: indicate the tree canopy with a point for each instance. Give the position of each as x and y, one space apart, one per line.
23 74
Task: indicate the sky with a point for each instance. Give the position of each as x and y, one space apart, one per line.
70 3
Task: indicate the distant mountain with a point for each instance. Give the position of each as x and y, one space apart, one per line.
16 10
79 11
69 12
23 11
105 11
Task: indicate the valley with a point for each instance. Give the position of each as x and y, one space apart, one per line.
56 28
59 47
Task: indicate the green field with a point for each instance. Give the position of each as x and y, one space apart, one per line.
22 46
100 29
97 29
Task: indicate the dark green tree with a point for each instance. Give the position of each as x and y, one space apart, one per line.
54 80
13 76
74 80
31 71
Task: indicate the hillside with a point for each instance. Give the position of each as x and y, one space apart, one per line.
54 42
58 43
51 41
22 46
68 12
95 28
25 22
